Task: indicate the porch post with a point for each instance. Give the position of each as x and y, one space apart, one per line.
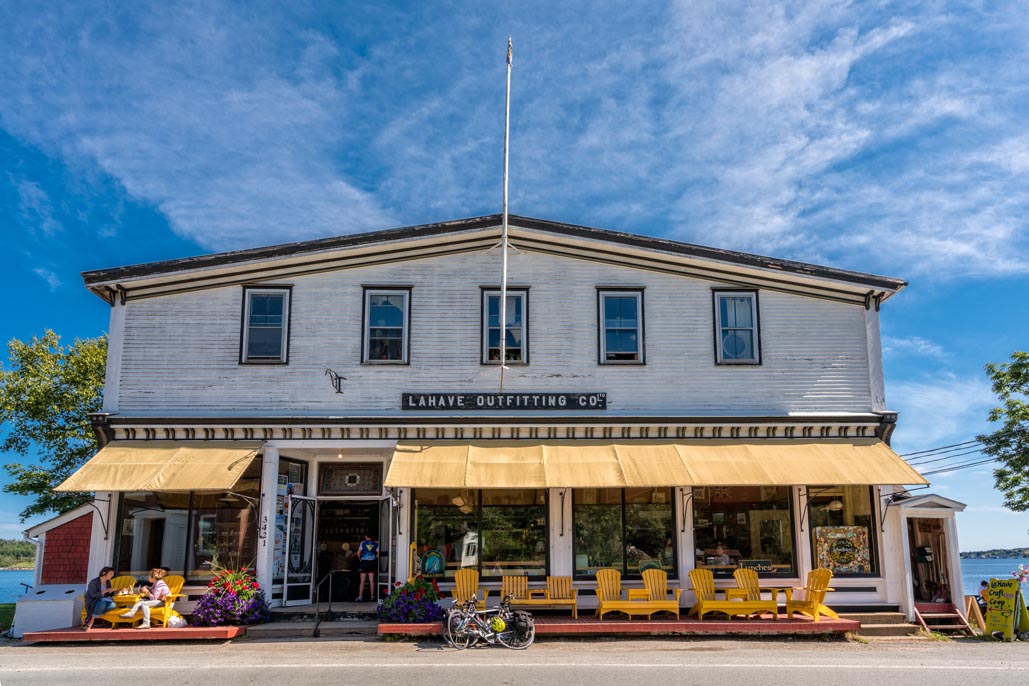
266 520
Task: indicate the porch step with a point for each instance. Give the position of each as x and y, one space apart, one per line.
306 629
941 617
880 630
876 617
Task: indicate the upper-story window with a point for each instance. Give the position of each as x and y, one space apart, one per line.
516 329
387 325
736 328
621 327
265 326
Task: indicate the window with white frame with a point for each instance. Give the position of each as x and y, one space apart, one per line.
736 328
621 327
386 316
265 326
515 329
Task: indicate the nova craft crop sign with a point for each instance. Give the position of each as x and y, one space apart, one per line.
504 401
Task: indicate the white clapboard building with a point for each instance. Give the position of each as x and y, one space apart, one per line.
662 405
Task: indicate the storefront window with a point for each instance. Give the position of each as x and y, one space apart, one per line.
842 535
190 532
496 532
625 529
744 526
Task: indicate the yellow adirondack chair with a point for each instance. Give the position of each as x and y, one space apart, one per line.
703 582
609 590
813 603
466 584
516 586
560 591
163 613
126 581
748 581
656 581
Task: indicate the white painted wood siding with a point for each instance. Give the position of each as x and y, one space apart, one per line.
181 352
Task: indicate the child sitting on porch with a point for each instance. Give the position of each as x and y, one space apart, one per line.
151 595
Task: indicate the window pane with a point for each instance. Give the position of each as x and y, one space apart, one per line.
621 344
264 343
386 310
514 532
224 531
266 309
620 312
742 309
744 523
514 331
446 530
842 534
737 344
152 532
597 513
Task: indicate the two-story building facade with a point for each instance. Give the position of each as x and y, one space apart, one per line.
662 404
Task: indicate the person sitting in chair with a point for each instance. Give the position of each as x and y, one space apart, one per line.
151 595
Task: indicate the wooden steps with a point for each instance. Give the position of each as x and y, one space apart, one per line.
943 618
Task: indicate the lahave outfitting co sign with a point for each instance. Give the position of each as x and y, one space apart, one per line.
504 401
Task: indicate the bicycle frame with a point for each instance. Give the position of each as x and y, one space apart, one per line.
465 626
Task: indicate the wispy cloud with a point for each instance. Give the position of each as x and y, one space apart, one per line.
913 345
51 278
35 208
937 411
879 138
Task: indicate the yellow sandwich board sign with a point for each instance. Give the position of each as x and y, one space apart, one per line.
1002 601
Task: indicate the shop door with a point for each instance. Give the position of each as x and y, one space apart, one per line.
928 553
300 538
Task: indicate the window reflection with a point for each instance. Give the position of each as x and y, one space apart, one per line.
625 529
842 535
748 526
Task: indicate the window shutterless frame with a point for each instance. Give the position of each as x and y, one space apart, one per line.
620 326
264 325
519 330
386 325
736 327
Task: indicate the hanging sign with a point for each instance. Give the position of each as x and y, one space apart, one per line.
503 401
1001 607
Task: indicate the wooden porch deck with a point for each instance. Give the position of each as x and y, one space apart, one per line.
557 625
186 633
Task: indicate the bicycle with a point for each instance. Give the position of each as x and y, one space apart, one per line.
465 626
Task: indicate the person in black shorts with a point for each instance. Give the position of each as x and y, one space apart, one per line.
368 559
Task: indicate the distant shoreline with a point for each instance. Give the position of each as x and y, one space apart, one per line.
17 569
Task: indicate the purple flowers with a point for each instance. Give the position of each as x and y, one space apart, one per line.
232 597
412 603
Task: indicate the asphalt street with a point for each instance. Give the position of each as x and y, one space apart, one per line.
567 663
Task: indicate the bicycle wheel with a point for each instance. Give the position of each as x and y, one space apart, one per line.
516 640
455 630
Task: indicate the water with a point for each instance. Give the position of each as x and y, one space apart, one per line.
10 583
974 571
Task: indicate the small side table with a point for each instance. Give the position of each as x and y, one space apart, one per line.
638 593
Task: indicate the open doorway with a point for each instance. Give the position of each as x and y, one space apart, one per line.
341 528
928 551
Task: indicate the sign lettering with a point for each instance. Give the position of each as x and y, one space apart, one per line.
504 401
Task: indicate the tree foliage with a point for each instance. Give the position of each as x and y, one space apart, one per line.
46 394
16 553
1010 443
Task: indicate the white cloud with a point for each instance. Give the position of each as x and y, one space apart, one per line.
912 346
51 279
942 410
35 208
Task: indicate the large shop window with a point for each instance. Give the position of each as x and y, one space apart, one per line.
516 330
265 326
744 526
387 326
842 535
190 533
496 532
630 530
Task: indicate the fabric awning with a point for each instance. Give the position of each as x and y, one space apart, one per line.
606 464
164 466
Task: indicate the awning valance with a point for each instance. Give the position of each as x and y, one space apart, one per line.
606 464
164 466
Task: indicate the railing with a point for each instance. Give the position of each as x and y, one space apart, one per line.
318 602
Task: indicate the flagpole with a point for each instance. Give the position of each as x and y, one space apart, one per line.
503 225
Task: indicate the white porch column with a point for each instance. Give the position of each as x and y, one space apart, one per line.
684 531
560 514
101 549
266 519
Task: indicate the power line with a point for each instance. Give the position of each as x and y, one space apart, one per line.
955 468
945 457
933 450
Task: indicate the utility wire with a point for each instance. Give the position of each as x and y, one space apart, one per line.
945 457
959 466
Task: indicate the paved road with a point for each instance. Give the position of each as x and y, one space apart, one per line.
567 663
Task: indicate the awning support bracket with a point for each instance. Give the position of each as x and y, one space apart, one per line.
564 492
686 499
807 501
893 499
103 522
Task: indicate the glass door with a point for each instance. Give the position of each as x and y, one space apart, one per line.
300 539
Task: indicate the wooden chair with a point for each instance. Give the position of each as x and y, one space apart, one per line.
466 585
813 604
517 586
561 592
125 581
749 583
609 590
558 593
163 613
656 581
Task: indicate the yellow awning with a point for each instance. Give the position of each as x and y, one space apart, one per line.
164 466
606 464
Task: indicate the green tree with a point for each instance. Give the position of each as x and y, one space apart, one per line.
46 394
1010 443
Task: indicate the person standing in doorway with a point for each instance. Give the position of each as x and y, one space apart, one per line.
368 554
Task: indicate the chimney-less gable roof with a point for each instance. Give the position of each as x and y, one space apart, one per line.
477 233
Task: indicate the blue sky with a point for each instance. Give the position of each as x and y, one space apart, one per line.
881 137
